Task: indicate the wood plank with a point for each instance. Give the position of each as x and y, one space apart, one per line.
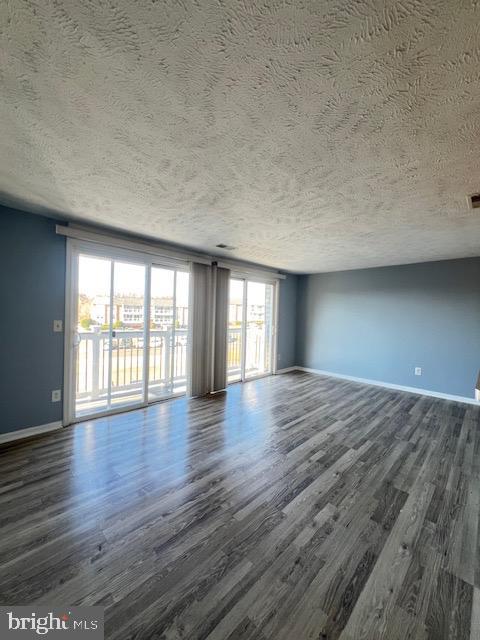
450 611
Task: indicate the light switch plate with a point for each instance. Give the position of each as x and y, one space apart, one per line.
418 371
57 326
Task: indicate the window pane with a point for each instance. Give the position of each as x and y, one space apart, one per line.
93 336
168 333
181 333
234 339
259 329
161 323
128 322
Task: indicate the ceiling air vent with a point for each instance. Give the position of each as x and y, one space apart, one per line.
474 201
228 247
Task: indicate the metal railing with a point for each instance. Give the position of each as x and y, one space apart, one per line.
167 361
234 350
257 356
167 367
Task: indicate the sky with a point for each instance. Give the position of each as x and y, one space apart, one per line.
255 292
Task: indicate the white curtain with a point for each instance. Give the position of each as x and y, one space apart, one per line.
199 379
222 289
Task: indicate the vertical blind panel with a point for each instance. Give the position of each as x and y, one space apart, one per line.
200 353
221 328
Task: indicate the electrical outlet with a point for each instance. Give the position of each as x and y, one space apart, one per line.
418 371
56 395
57 326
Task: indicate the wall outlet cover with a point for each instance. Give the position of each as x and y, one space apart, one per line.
56 395
58 326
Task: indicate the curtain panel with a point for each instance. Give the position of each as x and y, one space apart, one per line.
222 289
200 331
209 294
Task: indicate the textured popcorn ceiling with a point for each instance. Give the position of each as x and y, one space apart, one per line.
311 135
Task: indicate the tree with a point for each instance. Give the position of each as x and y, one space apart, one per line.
86 323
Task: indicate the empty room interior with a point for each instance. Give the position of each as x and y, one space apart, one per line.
240 319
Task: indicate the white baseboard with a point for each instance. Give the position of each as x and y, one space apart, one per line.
30 431
286 370
388 385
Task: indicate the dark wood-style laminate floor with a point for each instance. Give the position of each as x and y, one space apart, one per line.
293 507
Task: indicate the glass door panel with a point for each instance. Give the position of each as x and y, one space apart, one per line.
235 330
168 333
259 310
161 328
128 334
181 332
92 335
250 329
109 335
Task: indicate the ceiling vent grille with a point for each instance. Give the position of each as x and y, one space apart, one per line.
474 201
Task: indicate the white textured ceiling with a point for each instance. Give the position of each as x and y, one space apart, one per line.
311 135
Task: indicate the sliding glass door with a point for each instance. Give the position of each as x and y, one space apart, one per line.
168 333
258 329
93 336
127 322
250 329
109 335
235 330
129 332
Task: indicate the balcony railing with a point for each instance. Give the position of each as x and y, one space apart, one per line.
167 363
234 353
167 367
256 356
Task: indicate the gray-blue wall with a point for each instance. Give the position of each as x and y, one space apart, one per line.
287 317
382 323
32 285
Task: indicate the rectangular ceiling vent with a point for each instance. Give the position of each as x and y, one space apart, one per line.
474 201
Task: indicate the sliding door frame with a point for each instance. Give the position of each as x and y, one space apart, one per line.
71 309
246 278
146 333
75 248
